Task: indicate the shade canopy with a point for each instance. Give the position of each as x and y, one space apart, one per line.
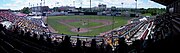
165 2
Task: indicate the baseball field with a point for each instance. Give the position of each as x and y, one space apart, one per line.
87 25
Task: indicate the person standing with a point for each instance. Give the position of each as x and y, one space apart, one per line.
78 29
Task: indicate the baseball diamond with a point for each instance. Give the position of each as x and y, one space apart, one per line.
89 25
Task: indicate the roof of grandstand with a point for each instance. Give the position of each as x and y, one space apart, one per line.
36 17
20 14
4 9
164 2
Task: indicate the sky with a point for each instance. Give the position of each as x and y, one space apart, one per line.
19 4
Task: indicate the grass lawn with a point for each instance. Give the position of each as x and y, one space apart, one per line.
53 21
87 25
147 14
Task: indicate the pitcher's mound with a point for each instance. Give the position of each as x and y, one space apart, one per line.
82 30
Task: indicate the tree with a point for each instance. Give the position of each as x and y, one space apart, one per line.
113 8
80 8
55 9
26 10
15 10
142 10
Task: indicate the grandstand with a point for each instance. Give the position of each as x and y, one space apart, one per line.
30 34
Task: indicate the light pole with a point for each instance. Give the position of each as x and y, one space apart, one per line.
81 7
74 3
90 6
122 6
136 8
41 9
81 4
29 5
44 3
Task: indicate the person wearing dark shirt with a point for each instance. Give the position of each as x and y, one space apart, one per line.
78 29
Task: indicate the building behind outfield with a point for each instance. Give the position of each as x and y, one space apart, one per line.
40 9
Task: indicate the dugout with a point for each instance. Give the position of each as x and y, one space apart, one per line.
83 13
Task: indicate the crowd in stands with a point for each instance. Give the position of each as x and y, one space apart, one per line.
31 24
1 19
8 16
120 32
23 22
127 28
19 40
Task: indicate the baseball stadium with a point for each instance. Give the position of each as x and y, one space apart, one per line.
89 26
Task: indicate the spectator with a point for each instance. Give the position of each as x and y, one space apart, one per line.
122 47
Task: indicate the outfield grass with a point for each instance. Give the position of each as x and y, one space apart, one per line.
53 21
147 14
87 25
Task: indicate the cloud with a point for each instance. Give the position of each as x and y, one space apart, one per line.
14 4
19 4
10 5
